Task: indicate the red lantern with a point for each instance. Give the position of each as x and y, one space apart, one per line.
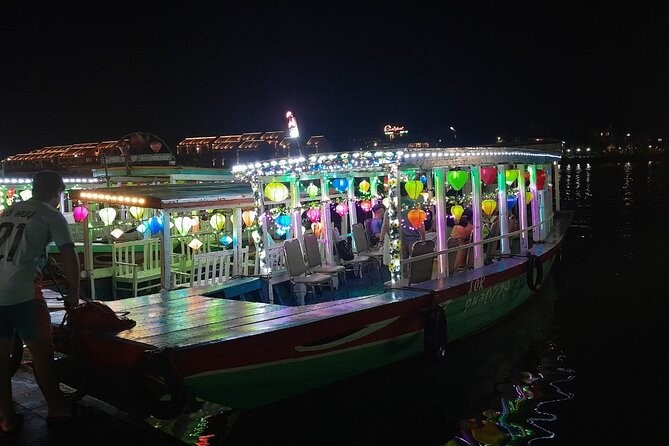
155 146
416 217
527 178
341 209
541 179
314 215
366 205
488 175
11 192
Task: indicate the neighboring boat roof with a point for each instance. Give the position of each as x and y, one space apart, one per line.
372 161
152 173
172 196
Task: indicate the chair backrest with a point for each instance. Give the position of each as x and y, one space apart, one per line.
313 250
211 267
126 253
421 270
294 257
360 237
368 231
452 243
491 247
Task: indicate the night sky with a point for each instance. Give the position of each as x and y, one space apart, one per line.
100 70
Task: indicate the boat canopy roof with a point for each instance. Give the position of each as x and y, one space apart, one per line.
379 161
153 173
172 196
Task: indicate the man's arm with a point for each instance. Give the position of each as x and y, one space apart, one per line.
71 266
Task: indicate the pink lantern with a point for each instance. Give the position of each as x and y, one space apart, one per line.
366 205
341 209
488 175
80 213
314 215
155 146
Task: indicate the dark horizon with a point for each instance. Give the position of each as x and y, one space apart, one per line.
99 71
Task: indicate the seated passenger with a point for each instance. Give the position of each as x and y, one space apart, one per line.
463 231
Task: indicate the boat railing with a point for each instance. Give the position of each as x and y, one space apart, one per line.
470 245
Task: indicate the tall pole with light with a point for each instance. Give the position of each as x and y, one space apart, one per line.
293 131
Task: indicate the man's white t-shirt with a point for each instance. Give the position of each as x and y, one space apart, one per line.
26 228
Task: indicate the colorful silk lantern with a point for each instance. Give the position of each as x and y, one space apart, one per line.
317 229
312 190
541 179
155 146
10 192
366 205
136 212
423 179
488 206
456 212
249 217
155 225
386 202
341 209
457 178
183 225
276 191
107 215
416 217
340 184
364 186
488 175
283 220
511 202
217 221
314 214
511 176
225 240
142 228
195 244
26 194
117 232
528 197
80 213
413 188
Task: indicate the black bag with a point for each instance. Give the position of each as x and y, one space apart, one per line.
344 250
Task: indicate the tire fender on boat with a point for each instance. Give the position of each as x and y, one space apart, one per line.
157 375
435 337
535 272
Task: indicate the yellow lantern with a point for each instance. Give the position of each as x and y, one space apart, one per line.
136 212
217 221
456 212
528 197
488 206
364 186
249 217
413 188
276 192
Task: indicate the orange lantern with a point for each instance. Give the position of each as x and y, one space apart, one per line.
416 217
366 205
317 229
249 217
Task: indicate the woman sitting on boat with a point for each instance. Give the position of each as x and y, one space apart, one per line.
462 231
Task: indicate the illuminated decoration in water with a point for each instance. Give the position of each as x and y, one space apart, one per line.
314 215
528 197
107 215
155 225
283 220
488 207
276 192
312 190
26 194
293 131
80 213
457 178
413 188
456 212
341 209
416 217
340 184
511 176
366 205
183 225
249 217
117 232
511 201
225 240
364 186
488 175
317 229
195 244
136 212
217 221
541 179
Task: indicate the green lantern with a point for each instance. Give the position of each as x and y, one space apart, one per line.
312 190
457 178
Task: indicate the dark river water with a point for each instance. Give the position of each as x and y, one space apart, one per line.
586 361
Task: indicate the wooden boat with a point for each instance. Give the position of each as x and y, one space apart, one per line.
244 354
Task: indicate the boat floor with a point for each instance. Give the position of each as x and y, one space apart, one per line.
188 317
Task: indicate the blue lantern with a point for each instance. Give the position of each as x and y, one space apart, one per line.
340 184
155 225
281 231
225 240
423 179
283 220
511 202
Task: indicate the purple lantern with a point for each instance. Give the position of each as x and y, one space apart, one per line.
80 213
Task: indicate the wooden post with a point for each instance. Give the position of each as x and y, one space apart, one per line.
476 211
522 209
440 219
503 218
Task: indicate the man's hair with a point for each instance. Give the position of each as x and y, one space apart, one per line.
47 184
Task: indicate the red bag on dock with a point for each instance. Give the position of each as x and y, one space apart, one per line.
96 316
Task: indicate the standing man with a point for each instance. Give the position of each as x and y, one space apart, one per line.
26 229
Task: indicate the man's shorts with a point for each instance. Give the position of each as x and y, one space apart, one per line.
30 319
